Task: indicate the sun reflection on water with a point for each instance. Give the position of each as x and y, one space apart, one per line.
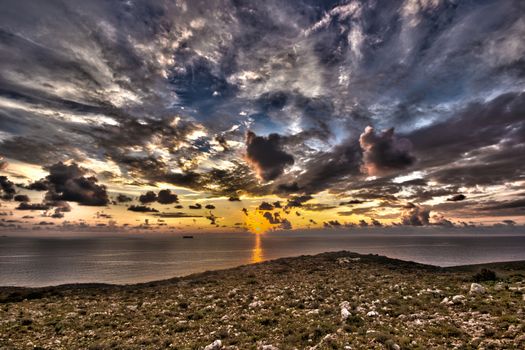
257 251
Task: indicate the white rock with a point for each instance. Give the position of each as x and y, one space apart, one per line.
216 345
360 309
328 337
344 313
269 347
372 313
342 261
396 347
499 286
344 304
458 298
476 288
255 304
445 301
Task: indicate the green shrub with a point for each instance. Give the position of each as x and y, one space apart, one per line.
485 275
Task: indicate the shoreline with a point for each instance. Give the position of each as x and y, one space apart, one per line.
196 275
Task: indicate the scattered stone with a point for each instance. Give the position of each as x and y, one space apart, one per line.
380 302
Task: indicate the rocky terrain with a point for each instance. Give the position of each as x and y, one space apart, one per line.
329 301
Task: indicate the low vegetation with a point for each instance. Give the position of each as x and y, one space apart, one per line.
329 301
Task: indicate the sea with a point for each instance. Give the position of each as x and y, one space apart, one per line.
121 258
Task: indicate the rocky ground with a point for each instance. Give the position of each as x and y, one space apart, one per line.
329 301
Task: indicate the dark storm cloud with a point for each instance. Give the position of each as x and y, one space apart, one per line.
285 224
480 125
273 219
176 215
40 185
148 197
457 198
384 152
265 206
21 198
415 215
518 204
163 197
7 188
33 206
331 170
122 198
71 183
142 209
298 201
318 206
440 220
376 223
265 154
288 188
352 202
422 194
356 211
332 224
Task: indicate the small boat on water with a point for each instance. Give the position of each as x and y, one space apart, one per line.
187 237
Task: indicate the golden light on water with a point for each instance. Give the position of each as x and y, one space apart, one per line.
257 251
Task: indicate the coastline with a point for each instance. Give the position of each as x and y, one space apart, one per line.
94 285
286 303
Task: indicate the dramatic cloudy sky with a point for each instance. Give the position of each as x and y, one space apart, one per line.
174 114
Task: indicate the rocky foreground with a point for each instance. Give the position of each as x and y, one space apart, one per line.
329 301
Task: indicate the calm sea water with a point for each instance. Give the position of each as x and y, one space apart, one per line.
43 261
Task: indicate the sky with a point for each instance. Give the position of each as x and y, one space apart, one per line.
174 115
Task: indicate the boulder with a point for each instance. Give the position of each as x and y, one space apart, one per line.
216 345
499 286
255 304
456 299
476 288
344 314
269 347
